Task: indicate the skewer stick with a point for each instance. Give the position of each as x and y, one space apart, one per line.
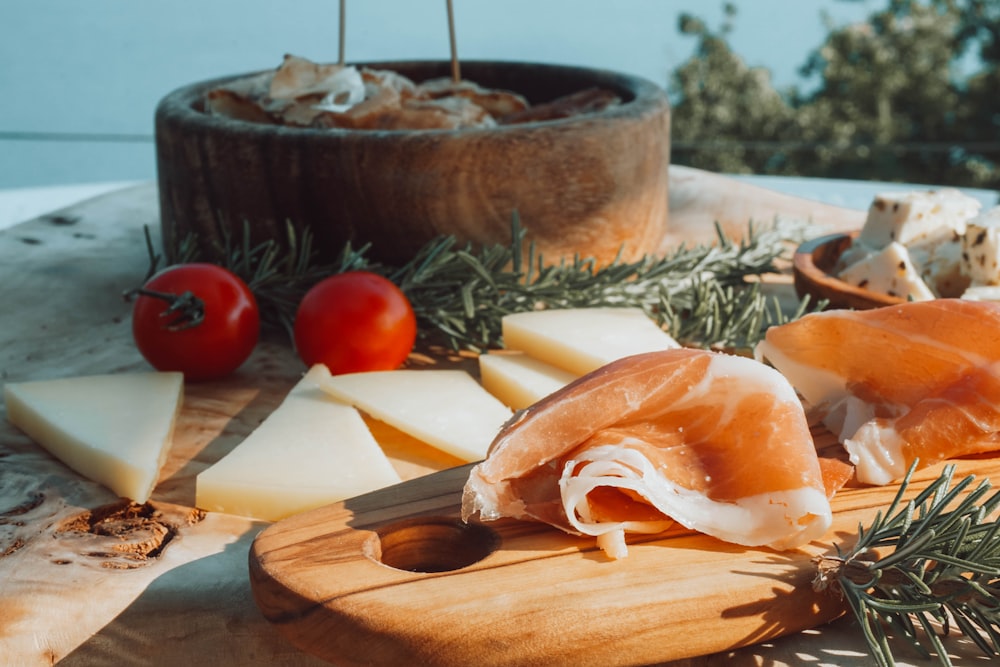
343 30
456 74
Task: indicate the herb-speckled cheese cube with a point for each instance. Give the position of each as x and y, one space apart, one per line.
889 271
917 217
981 248
853 254
941 266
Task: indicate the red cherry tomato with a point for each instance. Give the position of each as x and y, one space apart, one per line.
353 322
199 319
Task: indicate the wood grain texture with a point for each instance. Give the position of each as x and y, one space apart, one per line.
192 603
337 582
700 199
586 184
68 594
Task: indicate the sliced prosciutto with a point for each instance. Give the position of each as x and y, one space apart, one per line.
918 381
715 442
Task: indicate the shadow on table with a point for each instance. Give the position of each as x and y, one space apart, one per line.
199 613
838 643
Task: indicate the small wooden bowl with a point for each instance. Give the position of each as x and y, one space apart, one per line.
586 185
812 270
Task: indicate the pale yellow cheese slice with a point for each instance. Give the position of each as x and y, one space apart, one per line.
312 450
520 380
113 429
580 340
446 409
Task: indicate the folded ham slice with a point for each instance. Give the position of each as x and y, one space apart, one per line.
915 382
716 442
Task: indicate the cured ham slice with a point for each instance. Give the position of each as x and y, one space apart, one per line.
717 443
915 382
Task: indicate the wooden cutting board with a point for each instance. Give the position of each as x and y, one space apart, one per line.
395 577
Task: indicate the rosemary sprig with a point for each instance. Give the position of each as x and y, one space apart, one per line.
699 294
942 567
280 275
277 274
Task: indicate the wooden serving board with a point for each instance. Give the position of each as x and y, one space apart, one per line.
395 577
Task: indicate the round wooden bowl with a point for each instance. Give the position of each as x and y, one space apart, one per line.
812 270
586 185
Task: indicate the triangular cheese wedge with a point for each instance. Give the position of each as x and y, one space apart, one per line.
311 451
580 340
447 409
113 429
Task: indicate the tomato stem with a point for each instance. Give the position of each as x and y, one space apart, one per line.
186 309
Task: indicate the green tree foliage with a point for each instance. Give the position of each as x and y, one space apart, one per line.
891 100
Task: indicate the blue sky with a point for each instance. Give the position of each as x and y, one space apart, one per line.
99 67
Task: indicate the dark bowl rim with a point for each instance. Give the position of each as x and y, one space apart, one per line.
647 98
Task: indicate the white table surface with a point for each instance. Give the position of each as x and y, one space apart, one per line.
21 204
849 193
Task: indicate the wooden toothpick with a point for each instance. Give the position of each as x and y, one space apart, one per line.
456 74
343 31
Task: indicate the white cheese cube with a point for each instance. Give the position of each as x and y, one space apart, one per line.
917 216
981 248
941 266
854 253
113 429
446 409
982 293
890 271
519 380
580 340
312 450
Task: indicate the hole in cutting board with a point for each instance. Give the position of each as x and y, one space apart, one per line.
435 544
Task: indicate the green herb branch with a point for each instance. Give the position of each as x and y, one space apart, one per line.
698 294
941 567
701 294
